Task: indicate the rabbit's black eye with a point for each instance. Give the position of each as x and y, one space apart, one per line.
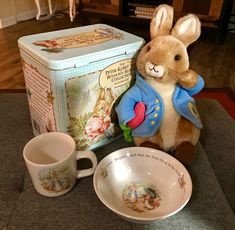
177 57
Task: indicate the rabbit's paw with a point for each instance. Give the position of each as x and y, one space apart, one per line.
185 153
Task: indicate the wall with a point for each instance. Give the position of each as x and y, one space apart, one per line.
7 13
13 11
24 9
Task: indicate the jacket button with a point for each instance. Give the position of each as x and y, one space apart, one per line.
156 101
157 108
155 115
152 122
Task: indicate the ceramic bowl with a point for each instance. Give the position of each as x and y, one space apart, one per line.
141 184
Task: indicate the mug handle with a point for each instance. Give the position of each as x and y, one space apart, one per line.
90 155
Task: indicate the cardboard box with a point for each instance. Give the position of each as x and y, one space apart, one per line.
73 78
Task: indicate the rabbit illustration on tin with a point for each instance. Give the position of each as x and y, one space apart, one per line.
100 121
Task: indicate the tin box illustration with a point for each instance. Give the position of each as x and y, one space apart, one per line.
74 77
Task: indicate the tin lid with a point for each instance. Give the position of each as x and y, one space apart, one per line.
79 46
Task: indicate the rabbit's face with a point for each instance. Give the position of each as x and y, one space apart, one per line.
163 54
105 102
101 108
164 59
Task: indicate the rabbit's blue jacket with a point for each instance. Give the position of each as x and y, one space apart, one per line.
141 91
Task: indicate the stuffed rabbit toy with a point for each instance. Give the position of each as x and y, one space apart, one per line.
158 110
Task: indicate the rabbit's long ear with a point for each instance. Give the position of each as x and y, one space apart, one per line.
102 93
187 29
162 20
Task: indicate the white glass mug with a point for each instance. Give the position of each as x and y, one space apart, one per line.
51 160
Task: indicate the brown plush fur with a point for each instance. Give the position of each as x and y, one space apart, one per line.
193 29
163 15
167 52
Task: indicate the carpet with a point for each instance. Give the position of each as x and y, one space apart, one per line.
224 96
21 207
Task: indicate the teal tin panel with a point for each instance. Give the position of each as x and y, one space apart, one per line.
73 78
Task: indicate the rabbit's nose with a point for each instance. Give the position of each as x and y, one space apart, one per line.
154 70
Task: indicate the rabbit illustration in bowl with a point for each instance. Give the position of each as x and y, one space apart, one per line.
159 110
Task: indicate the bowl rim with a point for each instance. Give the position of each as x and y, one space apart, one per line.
139 219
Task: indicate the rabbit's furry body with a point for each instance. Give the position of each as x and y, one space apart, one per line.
164 64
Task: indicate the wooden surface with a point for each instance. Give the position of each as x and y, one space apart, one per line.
215 62
11 75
